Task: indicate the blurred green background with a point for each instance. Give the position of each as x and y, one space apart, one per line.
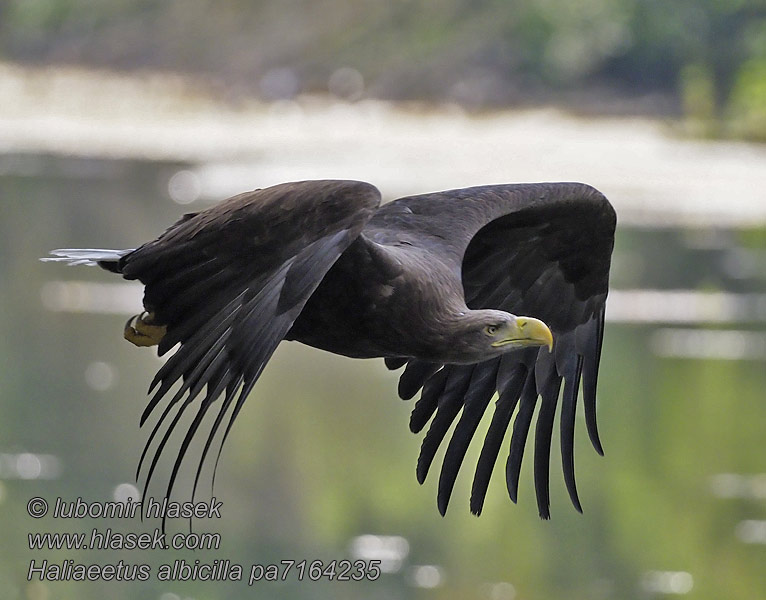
703 59
117 117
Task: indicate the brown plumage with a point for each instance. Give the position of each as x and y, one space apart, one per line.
434 282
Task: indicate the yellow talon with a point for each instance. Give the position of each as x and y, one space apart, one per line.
141 331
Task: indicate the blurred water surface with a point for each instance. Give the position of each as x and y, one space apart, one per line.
320 464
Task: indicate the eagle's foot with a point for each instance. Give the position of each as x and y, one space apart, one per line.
141 330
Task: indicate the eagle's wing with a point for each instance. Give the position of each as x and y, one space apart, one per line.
541 250
228 283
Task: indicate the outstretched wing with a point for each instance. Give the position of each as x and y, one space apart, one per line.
228 284
541 250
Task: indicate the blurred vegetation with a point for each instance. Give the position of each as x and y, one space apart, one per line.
704 60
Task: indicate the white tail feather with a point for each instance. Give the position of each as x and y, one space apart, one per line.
85 256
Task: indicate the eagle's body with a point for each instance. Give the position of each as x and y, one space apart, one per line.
357 310
436 282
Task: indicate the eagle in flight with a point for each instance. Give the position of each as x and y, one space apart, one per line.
493 289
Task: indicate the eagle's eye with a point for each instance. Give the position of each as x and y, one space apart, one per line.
491 329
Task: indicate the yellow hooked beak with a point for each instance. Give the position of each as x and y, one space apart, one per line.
527 331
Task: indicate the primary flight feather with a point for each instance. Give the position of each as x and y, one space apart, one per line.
493 289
